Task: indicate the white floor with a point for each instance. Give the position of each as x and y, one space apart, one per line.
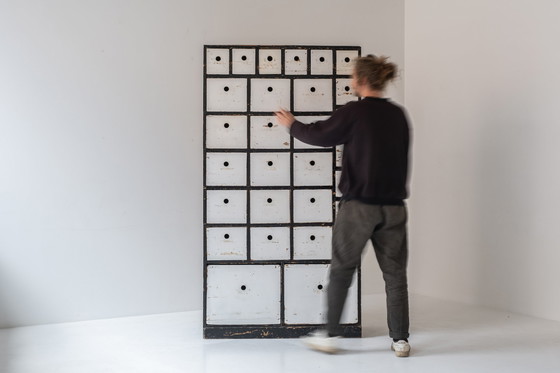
446 337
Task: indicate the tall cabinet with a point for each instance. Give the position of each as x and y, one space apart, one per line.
270 200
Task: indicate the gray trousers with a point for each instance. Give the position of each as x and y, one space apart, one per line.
355 224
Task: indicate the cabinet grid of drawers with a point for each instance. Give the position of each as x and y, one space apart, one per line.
269 199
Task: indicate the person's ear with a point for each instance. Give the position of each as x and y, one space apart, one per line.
362 82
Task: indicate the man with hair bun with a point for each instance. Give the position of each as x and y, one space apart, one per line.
374 185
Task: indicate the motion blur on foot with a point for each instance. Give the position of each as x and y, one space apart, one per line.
319 340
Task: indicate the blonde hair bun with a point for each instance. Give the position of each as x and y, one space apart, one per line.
376 71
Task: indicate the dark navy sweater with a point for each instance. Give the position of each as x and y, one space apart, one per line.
375 134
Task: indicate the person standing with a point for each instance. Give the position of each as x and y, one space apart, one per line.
374 186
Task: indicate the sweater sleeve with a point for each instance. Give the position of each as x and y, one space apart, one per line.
329 132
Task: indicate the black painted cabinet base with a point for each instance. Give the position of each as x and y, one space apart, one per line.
295 331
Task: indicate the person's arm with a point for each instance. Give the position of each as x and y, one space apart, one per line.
330 132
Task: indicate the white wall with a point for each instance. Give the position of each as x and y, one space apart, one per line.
482 87
101 142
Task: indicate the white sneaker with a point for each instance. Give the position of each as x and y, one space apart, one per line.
401 348
319 340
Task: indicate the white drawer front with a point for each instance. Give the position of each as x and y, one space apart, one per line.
295 61
321 62
307 119
243 61
217 61
270 243
270 169
345 62
266 133
337 181
270 61
243 294
344 92
226 206
226 243
312 243
313 206
226 169
270 206
226 94
270 94
305 297
226 131
313 95
339 152
313 169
